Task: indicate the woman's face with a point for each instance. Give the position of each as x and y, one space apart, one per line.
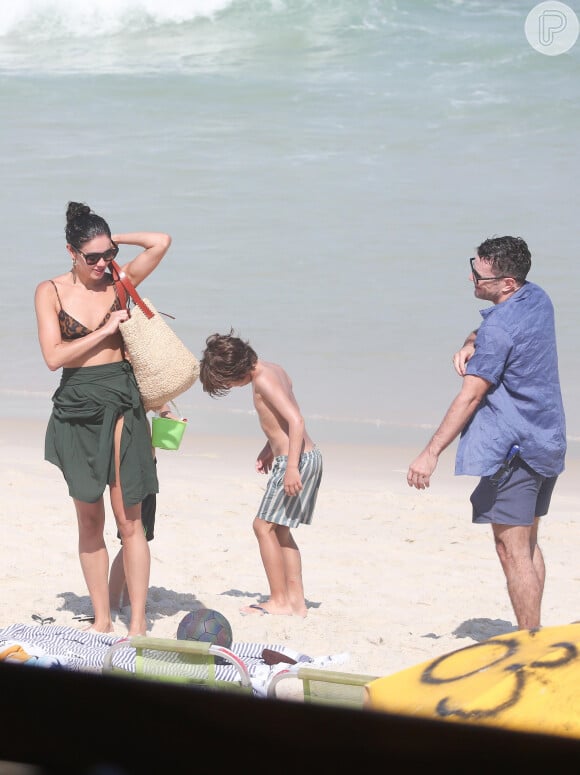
94 256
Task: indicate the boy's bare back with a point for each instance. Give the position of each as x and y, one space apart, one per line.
278 411
230 362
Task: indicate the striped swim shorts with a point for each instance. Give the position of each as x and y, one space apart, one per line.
292 510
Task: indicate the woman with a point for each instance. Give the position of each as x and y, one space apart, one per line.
98 433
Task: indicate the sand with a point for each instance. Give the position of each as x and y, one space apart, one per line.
393 576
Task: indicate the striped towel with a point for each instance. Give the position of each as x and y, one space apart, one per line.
73 649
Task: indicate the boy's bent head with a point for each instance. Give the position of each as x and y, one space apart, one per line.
226 360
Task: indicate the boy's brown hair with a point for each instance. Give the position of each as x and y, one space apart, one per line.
226 359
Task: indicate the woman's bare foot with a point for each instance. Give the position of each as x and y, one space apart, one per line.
137 627
97 628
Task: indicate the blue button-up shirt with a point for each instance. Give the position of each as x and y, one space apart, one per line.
515 350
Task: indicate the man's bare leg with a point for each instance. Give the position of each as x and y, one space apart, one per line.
94 560
523 566
537 556
273 561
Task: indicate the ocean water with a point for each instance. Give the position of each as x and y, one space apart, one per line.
325 168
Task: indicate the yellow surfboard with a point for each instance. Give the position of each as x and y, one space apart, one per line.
528 680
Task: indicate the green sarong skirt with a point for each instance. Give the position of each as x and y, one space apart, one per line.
79 436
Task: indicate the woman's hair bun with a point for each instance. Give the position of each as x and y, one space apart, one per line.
75 210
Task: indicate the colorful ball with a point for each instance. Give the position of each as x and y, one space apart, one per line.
208 625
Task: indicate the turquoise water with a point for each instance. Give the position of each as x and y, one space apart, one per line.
325 169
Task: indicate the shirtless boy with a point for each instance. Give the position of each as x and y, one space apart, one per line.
290 456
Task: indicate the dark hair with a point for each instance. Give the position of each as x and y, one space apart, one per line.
82 224
508 256
226 359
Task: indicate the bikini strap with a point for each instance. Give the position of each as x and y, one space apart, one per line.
57 296
120 293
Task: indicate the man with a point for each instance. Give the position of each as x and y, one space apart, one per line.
510 396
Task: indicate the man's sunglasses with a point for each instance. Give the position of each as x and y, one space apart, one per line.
94 258
477 277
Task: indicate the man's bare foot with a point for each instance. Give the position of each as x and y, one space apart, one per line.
263 610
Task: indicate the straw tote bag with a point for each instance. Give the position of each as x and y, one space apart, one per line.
164 367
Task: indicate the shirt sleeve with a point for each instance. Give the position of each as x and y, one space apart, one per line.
492 349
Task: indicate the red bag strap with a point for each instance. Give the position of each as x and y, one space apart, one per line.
125 286
121 292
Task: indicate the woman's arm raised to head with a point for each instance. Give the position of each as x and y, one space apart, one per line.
155 245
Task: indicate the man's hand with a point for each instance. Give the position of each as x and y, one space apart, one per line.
461 357
420 470
464 354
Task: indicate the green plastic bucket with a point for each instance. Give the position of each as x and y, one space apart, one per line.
167 433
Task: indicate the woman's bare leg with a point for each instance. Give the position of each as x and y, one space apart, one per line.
136 557
95 560
136 560
118 596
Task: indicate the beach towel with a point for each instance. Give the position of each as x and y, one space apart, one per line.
69 648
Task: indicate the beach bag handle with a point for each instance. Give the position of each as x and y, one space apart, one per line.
126 288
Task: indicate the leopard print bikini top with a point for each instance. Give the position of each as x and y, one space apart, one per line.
71 329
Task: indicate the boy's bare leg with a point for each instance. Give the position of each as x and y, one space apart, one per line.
292 570
94 560
274 565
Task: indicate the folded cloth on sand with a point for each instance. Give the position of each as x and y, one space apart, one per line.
14 653
276 657
27 655
71 648
262 670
